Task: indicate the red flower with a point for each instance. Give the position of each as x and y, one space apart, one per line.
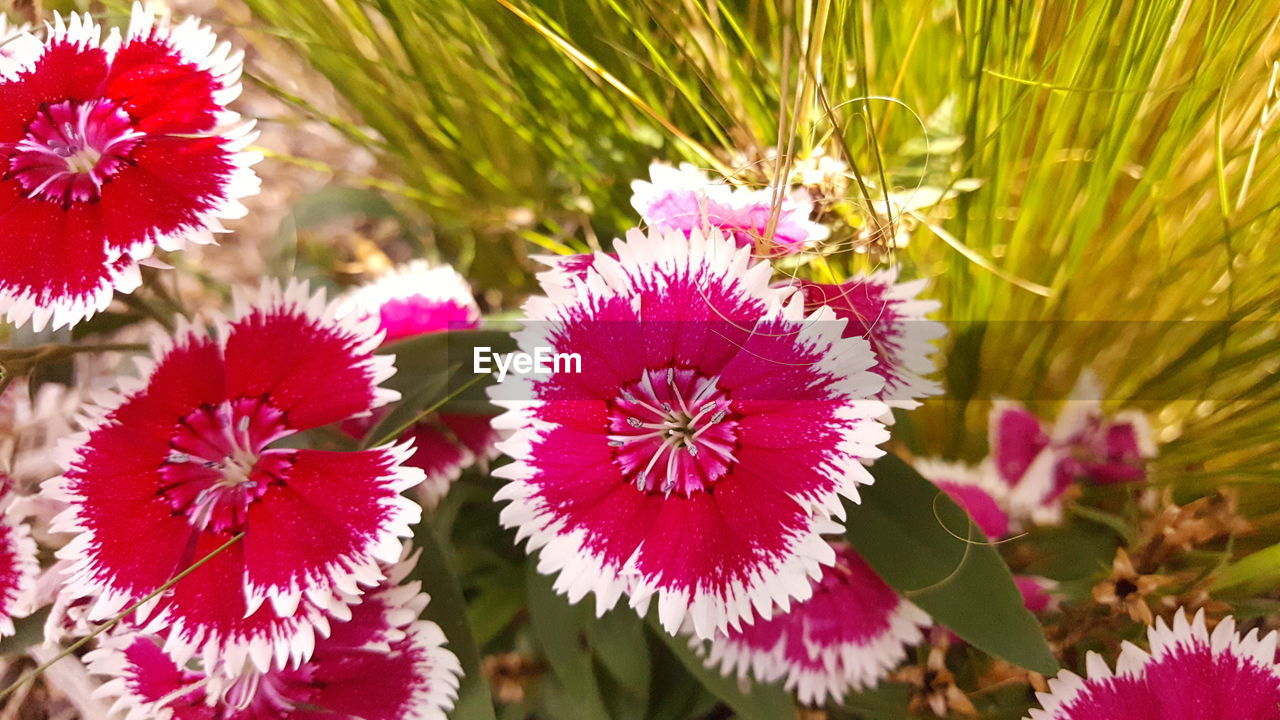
382 664
187 458
108 150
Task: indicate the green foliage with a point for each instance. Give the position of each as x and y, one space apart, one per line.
927 548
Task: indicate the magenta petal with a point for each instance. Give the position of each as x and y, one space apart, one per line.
315 369
18 570
972 488
848 636
1190 674
380 664
888 314
416 299
1016 438
325 520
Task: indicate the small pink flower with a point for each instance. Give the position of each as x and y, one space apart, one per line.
892 318
1190 674
419 299
18 566
416 299
109 149
187 457
704 445
849 635
1039 463
381 664
685 199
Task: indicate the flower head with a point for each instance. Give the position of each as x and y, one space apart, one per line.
415 300
704 444
1039 464
1189 674
187 458
891 317
684 199
848 636
381 664
109 149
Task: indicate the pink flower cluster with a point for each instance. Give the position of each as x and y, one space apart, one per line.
1037 464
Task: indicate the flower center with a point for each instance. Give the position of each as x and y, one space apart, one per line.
673 432
71 149
218 464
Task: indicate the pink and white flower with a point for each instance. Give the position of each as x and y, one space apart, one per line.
849 635
685 199
1039 463
183 460
419 299
416 299
1189 674
381 664
109 149
890 315
18 566
705 444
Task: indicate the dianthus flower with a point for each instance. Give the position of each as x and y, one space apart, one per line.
1039 464
893 319
191 455
684 199
700 444
109 149
1189 674
849 635
381 664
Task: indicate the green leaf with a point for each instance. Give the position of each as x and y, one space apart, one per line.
621 648
753 701
496 606
1255 574
448 609
907 529
560 630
